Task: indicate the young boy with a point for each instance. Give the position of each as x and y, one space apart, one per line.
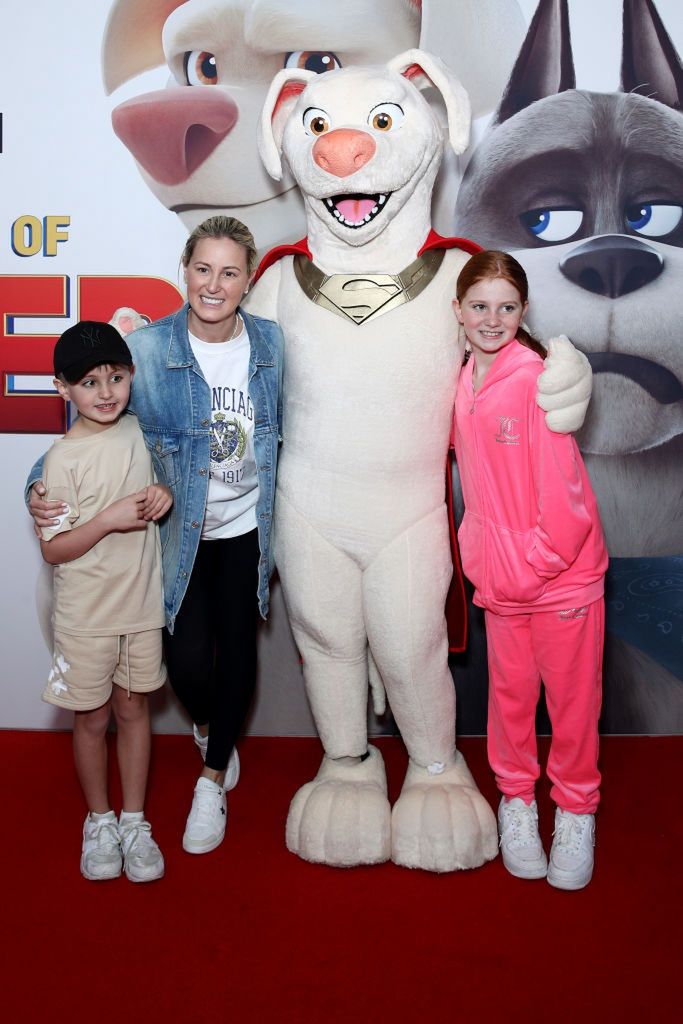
108 606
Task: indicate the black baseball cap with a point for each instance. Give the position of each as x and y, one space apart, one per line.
88 343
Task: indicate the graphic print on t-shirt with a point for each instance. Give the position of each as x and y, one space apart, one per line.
228 443
233 483
232 419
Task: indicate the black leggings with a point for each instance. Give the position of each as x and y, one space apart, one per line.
211 656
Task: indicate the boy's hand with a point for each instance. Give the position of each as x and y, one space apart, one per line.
43 510
157 503
125 514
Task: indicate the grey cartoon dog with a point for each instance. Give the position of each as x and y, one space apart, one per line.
586 189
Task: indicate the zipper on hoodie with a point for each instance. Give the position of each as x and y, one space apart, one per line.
482 505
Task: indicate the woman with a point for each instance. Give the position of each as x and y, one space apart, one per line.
206 394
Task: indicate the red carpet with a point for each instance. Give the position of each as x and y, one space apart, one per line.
252 933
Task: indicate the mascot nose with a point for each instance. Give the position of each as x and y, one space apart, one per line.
173 131
612 265
343 151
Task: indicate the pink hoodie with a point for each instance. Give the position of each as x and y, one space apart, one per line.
531 537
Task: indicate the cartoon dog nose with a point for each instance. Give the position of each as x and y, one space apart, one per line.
612 265
343 151
172 132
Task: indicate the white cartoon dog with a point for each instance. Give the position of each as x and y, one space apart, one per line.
195 141
361 528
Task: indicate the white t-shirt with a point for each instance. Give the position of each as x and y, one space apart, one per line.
233 483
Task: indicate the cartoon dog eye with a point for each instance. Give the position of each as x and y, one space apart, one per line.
316 121
200 68
552 225
386 116
653 219
313 60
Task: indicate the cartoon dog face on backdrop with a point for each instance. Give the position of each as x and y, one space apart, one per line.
195 141
587 190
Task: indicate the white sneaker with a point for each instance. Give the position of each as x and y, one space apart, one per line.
142 859
571 855
232 772
101 853
520 843
207 819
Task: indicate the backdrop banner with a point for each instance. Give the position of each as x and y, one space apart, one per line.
138 120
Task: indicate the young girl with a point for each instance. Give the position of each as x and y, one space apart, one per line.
532 545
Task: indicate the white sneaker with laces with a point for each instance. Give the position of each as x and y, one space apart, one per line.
232 772
207 819
571 855
142 859
520 843
101 852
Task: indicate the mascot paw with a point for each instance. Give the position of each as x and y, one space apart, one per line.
342 817
442 822
564 387
127 320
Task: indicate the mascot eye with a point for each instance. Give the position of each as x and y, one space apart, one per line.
386 117
654 219
316 121
313 60
200 68
552 225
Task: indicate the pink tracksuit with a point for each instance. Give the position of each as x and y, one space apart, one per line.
532 544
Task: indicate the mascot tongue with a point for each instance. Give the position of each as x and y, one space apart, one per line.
354 210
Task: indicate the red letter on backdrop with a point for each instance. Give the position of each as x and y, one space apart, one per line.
152 297
25 412
29 354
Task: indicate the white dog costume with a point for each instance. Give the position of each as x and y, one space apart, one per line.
361 528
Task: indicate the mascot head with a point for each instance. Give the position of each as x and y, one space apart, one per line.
363 142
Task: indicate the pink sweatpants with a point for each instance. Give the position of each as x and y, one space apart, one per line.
564 649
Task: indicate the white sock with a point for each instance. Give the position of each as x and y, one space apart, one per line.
128 817
107 816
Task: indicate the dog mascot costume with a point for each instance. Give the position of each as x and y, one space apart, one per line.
361 524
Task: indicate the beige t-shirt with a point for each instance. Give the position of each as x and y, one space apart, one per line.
116 587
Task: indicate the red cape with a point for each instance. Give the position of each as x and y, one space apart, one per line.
456 602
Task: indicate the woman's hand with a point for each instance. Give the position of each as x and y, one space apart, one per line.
43 510
158 501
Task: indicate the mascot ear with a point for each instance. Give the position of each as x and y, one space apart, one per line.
284 91
426 71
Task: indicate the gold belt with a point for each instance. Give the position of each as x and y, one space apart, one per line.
360 297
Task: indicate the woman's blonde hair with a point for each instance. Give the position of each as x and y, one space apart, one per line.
222 227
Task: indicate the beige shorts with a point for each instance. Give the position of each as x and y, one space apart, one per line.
84 668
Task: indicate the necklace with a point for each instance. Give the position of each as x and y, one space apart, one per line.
238 320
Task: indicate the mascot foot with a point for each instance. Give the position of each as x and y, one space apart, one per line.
442 822
342 817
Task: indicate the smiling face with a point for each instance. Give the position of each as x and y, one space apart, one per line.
217 278
101 396
491 311
359 143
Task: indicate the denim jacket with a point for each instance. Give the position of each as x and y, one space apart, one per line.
172 402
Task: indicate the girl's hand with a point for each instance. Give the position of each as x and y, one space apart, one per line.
157 502
43 510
